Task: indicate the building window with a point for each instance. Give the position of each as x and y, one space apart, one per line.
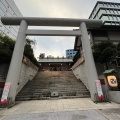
118 18
117 12
113 23
106 4
106 10
107 24
104 18
113 11
117 24
110 5
116 6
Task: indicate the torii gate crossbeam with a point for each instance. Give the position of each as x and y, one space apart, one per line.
24 22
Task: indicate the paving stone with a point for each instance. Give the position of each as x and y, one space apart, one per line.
111 114
72 115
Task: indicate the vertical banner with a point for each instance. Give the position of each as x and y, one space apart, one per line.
99 90
5 93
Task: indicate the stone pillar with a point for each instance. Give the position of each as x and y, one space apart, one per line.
16 61
89 61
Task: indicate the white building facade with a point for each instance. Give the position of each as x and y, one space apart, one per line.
9 8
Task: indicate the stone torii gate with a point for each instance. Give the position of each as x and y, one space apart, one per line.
24 22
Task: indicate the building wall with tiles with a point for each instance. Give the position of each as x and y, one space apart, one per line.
8 8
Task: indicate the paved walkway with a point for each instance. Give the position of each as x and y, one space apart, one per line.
62 109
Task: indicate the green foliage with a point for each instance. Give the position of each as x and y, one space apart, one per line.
28 52
103 52
7 47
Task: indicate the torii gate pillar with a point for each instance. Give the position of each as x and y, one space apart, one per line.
89 61
16 61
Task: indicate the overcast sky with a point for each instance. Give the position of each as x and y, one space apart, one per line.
56 46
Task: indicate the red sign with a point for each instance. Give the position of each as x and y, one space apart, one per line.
99 90
5 93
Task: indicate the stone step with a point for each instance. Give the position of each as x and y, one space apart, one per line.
62 90
63 82
47 98
57 87
49 87
58 90
49 93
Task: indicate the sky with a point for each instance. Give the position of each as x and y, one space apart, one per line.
55 45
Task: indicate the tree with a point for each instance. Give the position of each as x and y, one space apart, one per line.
104 51
7 47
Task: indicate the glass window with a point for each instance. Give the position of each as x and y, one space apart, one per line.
117 24
8 14
118 18
101 12
116 11
1 13
98 6
112 5
105 4
111 11
16 29
119 11
108 11
104 18
105 10
113 17
2 7
107 24
109 5
4 3
116 6
113 23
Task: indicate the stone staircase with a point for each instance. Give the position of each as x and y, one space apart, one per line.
46 82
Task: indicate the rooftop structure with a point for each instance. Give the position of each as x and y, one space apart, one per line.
55 60
109 12
55 64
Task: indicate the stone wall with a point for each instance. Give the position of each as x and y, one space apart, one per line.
79 71
114 96
27 73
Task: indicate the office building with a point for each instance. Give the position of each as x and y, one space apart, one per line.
109 12
70 53
9 8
